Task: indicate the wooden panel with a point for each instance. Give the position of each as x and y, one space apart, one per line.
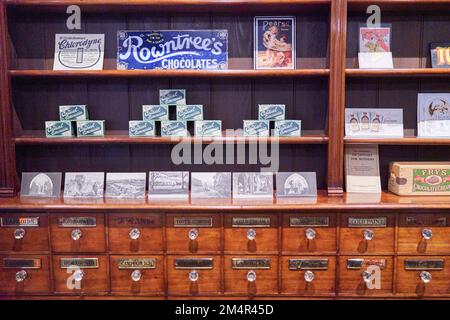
352 238
293 281
151 281
294 237
150 233
208 237
92 238
36 281
95 280
35 238
236 237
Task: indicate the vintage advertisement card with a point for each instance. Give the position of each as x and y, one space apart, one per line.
172 97
168 184
296 184
84 184
41 184
155 112
274 46
79 51
252 185
208 128
190 112
433 113
440 55
126 185
374 39
362 169
210 185
362 122
172 49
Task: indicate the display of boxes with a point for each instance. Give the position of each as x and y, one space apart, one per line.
91 128
173 128
155 112
208 128
288 128
190 112
58 129
271 111
73 113
172 96
141 128
256 128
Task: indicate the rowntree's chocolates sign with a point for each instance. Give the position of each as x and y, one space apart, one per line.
172 49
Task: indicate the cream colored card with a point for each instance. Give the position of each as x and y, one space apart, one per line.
375 60
362 169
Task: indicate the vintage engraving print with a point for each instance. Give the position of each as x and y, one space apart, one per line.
125 185
211 184
296 184
252 185
84 184
41 184
168 184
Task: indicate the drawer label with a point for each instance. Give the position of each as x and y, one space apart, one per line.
255 222
426 221
136 221
198 222
17 263
84 263
377 222
70 222
310 264
194 263
429 264
250 263
138 263
19 221
360 263
309 221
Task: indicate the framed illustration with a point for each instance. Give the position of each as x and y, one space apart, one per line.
274 43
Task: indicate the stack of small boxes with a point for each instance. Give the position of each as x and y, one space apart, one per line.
275 113
157 118
68 116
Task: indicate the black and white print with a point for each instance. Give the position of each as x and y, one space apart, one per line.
252 185
168 184
211 185
84 184
296 184
126 185
41 184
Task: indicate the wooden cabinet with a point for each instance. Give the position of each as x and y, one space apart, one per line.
22 232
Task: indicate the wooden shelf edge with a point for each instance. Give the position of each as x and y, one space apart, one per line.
413 72
413 141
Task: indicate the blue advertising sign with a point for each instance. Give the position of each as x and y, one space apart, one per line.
172 49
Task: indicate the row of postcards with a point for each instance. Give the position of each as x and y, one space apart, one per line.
169 184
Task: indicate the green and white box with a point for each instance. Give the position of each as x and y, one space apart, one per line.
288 128
172 96
208 128
271 111
58 129
190 112
141 128
173 128
155 112
256 128
73 113
91 128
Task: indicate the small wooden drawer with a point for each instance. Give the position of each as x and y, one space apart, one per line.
78 232
135 233
423 275
309 233
193 233
251 275
365 275
424 234
367 234
80 274
194 275
308 275
23 232
24 274
251 233
137 274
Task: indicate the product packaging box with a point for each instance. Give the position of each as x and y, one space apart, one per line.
141 128
73 113
155 112
58 129
208 128
288 128
91 128
190 112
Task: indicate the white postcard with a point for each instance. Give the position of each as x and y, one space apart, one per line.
252 185
433 115
210 185
125 185
84 184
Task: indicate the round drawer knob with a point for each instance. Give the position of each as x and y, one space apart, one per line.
425 276
368 234
367 276
251 234
135 233
136 275
310 234
76 234
193 275
251 276
427 234
309 276
193 234
21 275
78 275
19 233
